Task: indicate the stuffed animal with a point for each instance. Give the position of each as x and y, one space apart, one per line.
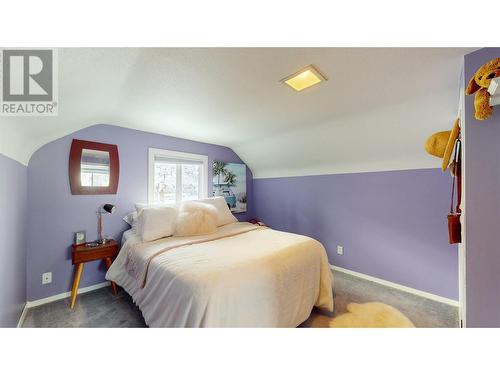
479 84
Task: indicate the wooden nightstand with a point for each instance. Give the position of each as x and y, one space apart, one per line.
82 254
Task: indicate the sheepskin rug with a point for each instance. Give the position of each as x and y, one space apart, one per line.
371 315
195 218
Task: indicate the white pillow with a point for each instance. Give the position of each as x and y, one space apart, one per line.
156 222
195 218
224 215
131 219
140 206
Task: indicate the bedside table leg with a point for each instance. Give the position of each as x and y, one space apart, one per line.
108 264
76 282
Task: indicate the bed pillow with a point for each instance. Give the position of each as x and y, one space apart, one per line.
140 206
195 218
156 222
131 219
224 215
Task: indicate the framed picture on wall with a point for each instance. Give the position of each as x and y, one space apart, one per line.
230 182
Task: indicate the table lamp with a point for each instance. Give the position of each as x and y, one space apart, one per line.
104 209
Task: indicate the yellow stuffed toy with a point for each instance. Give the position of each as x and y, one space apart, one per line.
479 84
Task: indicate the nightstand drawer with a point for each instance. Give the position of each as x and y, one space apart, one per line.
82 253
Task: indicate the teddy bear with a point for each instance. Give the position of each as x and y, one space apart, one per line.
479 84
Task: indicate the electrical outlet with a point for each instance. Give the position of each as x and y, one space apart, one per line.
340 250
46 278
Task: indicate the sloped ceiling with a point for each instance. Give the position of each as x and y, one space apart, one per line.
374 113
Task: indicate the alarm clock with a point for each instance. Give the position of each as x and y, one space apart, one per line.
80 237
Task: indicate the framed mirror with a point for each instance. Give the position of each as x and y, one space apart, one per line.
94 168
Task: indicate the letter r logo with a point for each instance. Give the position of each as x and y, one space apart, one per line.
27 75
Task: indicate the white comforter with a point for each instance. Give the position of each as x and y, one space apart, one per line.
243 276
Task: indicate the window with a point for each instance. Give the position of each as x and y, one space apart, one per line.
94 168
176 176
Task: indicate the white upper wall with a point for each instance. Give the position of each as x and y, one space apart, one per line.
374 113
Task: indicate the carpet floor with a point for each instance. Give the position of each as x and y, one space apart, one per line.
423 312
100 308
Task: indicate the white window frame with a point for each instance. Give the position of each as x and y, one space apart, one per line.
185 156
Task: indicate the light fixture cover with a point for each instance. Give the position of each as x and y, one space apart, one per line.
304 78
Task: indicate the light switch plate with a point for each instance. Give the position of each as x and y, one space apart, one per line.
340 250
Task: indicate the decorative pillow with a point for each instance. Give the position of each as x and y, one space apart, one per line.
156 222
195 218
224 215
131 219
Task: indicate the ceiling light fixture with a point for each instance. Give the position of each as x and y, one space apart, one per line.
304 78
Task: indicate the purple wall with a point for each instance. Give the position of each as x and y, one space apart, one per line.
392 224
482 205
55 214
13 231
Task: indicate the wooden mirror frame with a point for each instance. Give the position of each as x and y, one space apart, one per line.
75 157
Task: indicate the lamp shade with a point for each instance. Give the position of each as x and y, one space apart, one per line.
109 208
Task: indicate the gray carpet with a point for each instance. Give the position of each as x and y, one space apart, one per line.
421 311
96 309
101 308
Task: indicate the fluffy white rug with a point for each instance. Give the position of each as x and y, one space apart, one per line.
371 315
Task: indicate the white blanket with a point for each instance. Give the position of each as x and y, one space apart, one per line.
140 255
254 278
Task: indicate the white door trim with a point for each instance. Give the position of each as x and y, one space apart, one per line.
462 276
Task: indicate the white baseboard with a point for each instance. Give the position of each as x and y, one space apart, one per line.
407 289
23 315
57 297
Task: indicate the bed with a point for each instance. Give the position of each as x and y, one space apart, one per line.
243 275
